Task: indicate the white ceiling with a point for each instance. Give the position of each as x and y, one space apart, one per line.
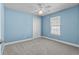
33 7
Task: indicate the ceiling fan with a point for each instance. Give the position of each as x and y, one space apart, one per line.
41 9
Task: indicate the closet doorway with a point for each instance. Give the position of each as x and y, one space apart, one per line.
36 26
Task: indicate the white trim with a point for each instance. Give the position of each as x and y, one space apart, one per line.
17 41
68 43
2 48
37 37
36 26
4 44
8 43
64 42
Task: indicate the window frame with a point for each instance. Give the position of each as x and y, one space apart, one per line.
54 24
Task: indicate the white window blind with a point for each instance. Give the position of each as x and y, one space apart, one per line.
55 25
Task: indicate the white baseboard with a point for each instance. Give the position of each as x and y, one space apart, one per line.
68 43
37 37
18 41
8 43
64 42
2 48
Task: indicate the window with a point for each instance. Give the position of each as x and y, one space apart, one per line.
55 25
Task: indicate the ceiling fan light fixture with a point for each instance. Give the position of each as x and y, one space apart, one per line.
40 12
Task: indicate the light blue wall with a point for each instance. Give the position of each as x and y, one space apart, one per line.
18 25
0 21
78 26
1 26
69 23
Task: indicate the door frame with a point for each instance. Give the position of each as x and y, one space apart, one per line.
39 19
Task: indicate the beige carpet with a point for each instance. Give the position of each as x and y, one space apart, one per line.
40 46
